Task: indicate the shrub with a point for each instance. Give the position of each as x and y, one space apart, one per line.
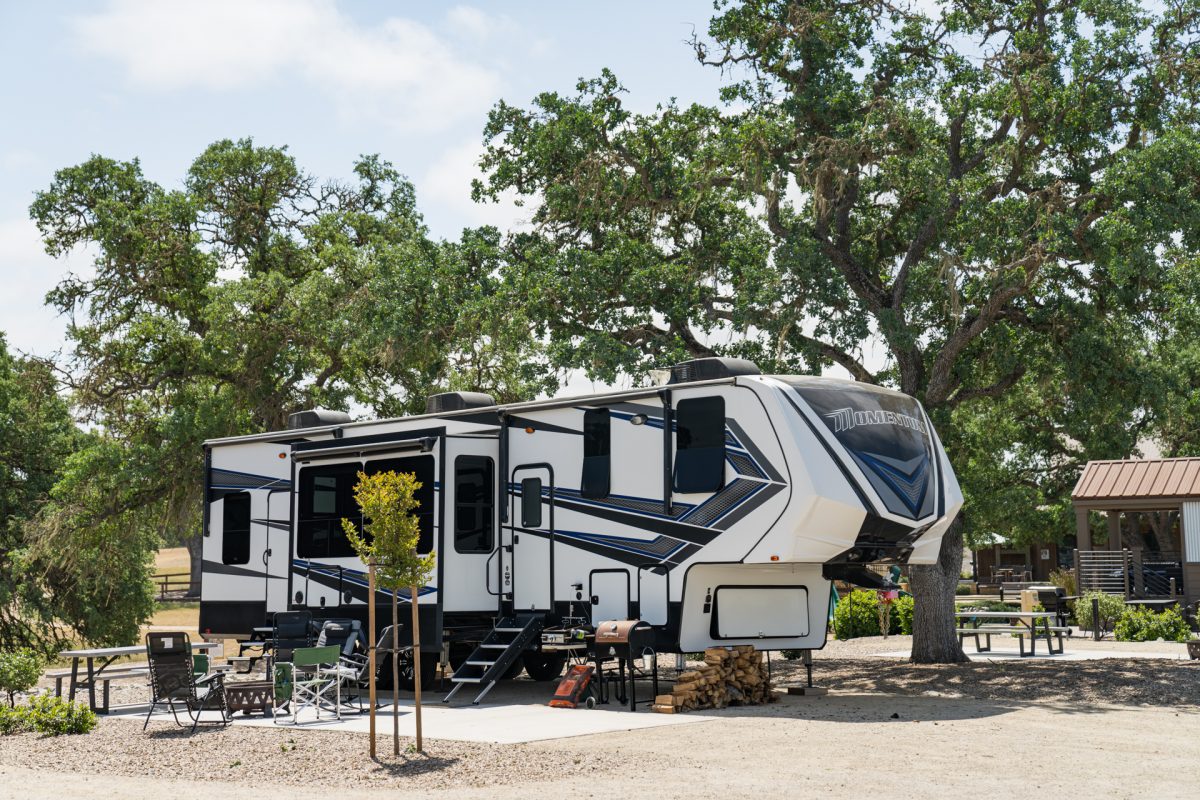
964 588
1065 580
1144 625
12 720
857 614
1111 608
902 616
19 671
55 716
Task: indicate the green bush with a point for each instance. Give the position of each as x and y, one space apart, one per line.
47 714
12 720
902 616
857 614
19 671
1145 625
964 588
1111 608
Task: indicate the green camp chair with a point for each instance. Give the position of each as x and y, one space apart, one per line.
313 679
199 664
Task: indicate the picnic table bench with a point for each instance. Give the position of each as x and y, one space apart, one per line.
104 672
973 624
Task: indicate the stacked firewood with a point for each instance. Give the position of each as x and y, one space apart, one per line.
737 676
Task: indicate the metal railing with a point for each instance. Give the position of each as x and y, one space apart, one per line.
1130 572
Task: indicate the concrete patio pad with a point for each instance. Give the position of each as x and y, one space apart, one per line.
513 713
1090 654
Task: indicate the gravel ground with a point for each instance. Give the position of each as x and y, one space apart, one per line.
1026 709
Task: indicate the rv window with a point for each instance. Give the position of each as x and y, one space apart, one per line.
422 467
235 529
326 495
474 499
531 503
700 444
596 448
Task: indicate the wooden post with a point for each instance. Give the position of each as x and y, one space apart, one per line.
395 674
1083 529
1114 530
1125 566
371 646
416 649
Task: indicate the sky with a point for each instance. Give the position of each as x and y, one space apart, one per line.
159 80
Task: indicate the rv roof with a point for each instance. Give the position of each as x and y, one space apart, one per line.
552 402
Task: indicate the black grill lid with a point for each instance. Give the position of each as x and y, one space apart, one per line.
707 369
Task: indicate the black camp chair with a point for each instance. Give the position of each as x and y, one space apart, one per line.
173 682
291 629
353 664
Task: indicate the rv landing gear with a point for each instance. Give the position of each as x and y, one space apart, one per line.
544 666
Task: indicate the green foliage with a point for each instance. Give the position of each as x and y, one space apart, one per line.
253 290
1111 608
55 716
390 529
20 670
857 614
37 437
1145 625
964 588
49 715
902 615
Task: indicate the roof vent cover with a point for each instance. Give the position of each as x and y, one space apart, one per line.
457 401
316 418
708 369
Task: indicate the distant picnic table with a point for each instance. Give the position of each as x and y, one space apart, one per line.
100 673
974 624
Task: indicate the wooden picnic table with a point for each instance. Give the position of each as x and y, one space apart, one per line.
96 673
1035 620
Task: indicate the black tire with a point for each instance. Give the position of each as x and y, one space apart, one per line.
513 671
429 662
544 666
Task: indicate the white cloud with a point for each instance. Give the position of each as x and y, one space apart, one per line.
399 72
447 185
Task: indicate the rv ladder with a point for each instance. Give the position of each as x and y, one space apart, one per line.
495 655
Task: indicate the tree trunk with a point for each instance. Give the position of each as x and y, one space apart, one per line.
933 585
195 548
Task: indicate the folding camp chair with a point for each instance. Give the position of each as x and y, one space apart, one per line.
313 677
172 681
290 629
353 665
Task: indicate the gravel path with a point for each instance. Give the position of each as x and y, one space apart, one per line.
1146 714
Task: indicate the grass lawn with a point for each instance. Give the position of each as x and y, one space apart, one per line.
171 560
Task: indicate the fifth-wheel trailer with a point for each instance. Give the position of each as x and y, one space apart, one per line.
717 508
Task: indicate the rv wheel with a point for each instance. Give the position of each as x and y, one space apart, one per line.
429 662
544 666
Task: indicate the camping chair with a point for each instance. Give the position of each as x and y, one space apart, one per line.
291 629
353 665
315 681
172 680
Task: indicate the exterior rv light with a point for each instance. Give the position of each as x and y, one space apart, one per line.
529 430
338 433
283 455
638 419
774 558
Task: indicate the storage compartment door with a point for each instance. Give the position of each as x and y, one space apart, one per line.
609 590
760 612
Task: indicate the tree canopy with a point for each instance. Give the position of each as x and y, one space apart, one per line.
994 197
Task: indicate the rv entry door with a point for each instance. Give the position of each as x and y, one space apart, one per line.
532 537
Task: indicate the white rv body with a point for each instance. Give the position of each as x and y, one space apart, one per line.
711 542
